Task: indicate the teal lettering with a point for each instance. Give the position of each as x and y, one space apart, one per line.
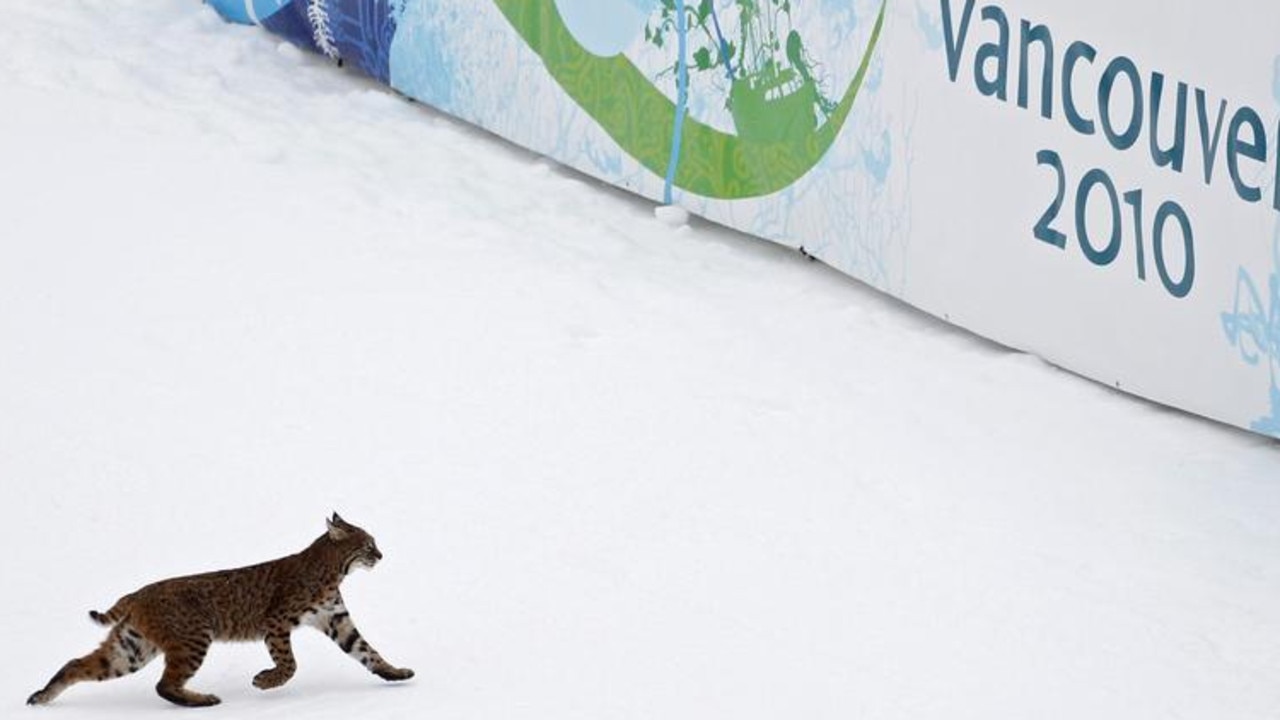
1120 66
1038 34
955 44
1075 52
1253 149
1209 148
998 51
1174 155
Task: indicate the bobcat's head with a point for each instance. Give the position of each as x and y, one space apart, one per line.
357 547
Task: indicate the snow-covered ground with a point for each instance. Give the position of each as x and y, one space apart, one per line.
618 470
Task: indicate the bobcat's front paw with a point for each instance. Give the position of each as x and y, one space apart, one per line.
272 678
393 673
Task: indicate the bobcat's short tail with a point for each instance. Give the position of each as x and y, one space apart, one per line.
117 612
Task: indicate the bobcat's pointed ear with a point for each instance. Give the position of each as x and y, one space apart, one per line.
337 527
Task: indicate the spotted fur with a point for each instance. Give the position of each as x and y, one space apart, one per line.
181 617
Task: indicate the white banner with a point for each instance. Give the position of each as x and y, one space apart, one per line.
1094 182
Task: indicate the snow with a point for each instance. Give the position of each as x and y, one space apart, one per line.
672 215
616 470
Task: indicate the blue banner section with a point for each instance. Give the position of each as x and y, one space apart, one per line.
353 31
247 12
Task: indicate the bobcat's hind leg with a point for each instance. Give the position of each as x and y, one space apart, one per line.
280 645
182 658
124 651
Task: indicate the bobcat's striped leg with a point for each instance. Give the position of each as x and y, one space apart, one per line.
182 658
123 652
280 645
334 620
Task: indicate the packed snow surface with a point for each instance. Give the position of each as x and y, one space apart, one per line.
619 469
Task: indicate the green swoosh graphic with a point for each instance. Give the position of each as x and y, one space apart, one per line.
640 118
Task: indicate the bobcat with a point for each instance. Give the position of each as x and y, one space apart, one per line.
181 616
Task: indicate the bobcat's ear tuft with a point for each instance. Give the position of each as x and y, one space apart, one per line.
337 527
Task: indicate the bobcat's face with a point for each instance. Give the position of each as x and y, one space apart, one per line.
357 546
368 554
